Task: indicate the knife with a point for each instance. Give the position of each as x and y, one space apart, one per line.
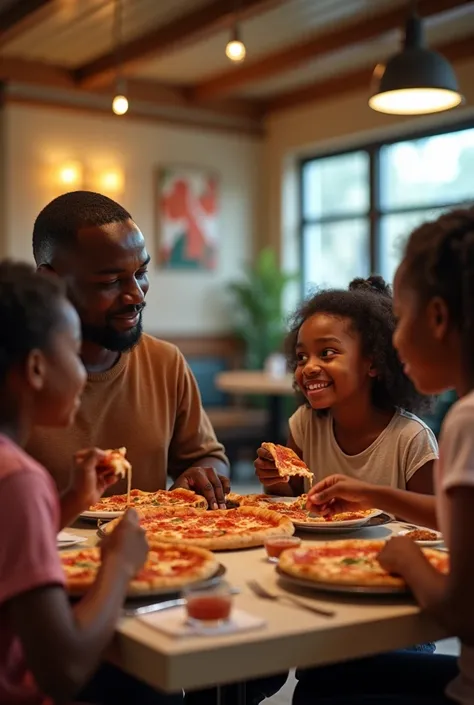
156 607
159 606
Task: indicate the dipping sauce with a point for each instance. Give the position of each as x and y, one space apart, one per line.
275 545
209 608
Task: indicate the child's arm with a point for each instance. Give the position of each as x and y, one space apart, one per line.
339 493
63 647
422 480
447 598
268 474
89 484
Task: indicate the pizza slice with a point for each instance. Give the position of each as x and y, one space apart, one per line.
287 462
117 464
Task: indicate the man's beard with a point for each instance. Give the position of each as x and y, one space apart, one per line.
111 339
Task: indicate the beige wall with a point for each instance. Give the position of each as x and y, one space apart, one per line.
38 140
330 126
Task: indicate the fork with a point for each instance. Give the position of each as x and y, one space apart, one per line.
260 591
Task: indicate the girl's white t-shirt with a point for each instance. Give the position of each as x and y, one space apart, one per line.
403 447
455 468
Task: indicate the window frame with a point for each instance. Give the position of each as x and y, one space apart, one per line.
375 212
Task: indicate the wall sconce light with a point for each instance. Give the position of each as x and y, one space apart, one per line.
111 181
70 175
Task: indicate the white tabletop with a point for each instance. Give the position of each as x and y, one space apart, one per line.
292 637
254 382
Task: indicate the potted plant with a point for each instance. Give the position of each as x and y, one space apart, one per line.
258 308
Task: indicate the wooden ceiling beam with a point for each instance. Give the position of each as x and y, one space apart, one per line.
192 27
180 96
22 15
256 131
35 73
356 80
320 44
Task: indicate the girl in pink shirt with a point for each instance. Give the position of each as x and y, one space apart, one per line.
48 650
434 303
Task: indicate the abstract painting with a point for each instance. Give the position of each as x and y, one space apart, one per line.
187 218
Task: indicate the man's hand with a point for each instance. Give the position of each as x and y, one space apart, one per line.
206 482
339 493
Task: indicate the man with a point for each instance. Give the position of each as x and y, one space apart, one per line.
140 392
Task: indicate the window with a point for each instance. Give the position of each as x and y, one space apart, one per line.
335 217
358 208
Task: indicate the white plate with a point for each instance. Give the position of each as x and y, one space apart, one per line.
330 525
65 540
435 542
101 515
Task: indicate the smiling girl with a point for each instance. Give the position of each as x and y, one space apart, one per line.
357 420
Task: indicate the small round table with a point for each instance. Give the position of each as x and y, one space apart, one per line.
260 383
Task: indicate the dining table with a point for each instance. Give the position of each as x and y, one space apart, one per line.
290 637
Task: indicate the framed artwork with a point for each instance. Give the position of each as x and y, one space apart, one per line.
187 205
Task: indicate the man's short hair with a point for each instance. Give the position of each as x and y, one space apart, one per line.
58 223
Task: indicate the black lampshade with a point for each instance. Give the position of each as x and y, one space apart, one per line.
415 81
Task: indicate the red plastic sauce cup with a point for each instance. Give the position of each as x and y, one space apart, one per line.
275 545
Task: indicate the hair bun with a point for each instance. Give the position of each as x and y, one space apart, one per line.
373 283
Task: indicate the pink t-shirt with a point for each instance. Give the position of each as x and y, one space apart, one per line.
29 523
455 468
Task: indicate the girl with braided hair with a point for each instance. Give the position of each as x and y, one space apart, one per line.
434 304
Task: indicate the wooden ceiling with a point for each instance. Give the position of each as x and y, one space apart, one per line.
62 52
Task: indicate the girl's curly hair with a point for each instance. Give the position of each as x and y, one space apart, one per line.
368 305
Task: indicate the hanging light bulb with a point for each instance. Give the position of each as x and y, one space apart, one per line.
416 81
235 49
120 105
120 101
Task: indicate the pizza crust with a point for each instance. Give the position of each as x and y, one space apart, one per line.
276 525
348 568
202 565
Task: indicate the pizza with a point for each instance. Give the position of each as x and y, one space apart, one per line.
167 566
422 535
179 497
349 562
287 462
219 530
117 464
296 510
